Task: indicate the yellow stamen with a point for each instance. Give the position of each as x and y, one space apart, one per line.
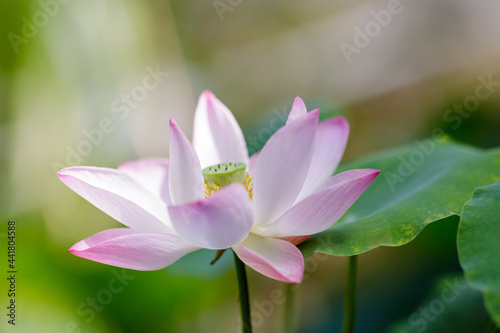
248 183
211 189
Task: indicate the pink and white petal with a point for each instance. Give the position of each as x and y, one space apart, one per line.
298 110
282 168
331 140
295 240
117 194
217 222
217 137
152 174
185 179
253 162
274 258
322 209
134 250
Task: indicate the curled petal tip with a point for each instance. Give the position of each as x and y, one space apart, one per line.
314 112
207 93
296 279
208 97
127 248
74 250
78 247
62 173
174 128
343 119
298 100
274 258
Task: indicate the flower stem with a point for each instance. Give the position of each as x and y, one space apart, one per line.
289 315
246 323
350 296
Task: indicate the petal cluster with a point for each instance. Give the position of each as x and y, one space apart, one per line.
168 214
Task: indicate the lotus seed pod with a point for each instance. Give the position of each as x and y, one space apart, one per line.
224 174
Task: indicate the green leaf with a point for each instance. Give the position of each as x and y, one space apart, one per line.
418 185
479 245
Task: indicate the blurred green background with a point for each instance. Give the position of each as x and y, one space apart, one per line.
67 67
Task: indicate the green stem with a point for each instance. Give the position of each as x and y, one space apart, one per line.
246 323
289 315
350 296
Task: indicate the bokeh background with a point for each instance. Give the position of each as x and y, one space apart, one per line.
67 67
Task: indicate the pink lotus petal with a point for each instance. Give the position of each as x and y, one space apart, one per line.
282 168
134 250
118 195
322 209
253 162
331 140
185 179
298 110
152 174
217 222
295 240
275 258
217 137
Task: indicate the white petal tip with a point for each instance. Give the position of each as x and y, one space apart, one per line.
298 100
207 93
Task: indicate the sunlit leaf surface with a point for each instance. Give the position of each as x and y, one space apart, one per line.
479 245
417 186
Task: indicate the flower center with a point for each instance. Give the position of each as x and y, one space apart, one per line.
223 174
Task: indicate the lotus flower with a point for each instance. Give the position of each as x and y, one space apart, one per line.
259 206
